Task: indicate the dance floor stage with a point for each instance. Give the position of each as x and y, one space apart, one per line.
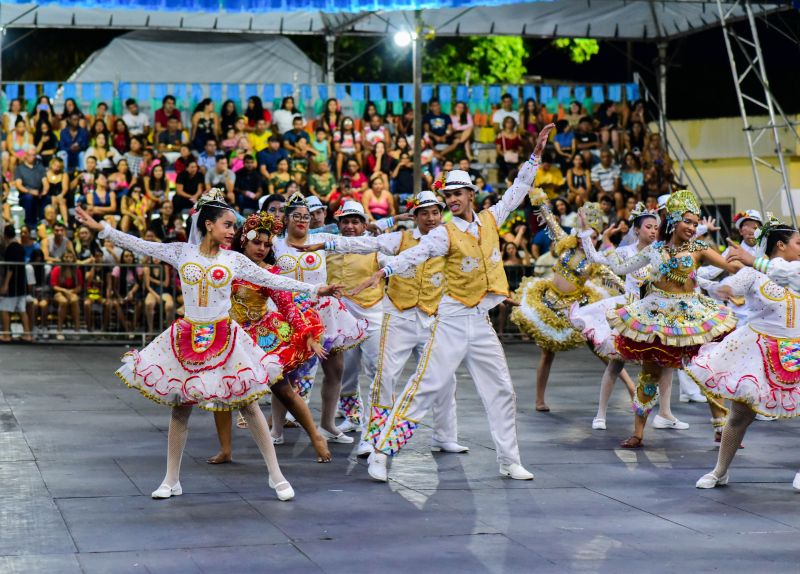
80 454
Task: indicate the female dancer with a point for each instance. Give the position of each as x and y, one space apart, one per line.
205 359
292 332
544 303
342 330
755 366
672 320
591 319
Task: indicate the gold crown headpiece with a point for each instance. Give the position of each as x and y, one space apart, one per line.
680 202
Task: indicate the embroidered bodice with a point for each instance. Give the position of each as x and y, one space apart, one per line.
205 281
664 264
772 309
309 267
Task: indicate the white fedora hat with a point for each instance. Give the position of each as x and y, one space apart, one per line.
314 203
456 179
750 214
425 199
350 207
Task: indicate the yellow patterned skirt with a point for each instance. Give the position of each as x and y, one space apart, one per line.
543 313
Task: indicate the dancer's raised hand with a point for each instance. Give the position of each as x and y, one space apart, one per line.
84 218
541 141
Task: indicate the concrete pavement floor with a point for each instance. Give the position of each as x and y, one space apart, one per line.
80 454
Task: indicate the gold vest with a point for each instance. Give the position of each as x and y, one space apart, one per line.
351 270
424 289
475 268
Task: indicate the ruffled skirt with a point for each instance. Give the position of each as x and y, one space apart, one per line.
342 330
758 370
593 325
276 336
668 328
543 313
215 366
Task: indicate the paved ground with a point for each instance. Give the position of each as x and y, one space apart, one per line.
80 454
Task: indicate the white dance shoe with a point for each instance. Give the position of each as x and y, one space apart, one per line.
660 422
515 471
364 449
711 480
765 418
796 481
599 424
349 426
377 466
437 446
277 439
167 491
283 489
340 438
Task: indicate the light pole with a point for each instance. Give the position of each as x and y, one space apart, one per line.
416 38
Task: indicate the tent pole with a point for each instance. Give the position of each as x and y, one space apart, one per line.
417 71
662 89
330 60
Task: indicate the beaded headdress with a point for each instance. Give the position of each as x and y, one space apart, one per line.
641 211
594 216
260 222
213 195
297 199
680 202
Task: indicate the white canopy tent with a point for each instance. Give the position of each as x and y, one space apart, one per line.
162 56
636 20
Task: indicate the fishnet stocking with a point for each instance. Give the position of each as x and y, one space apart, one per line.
176 441
260 431
739 419
613 369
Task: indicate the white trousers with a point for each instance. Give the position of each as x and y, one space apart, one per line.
400 337
361 358
469 339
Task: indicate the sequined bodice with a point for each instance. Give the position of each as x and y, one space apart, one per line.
309 267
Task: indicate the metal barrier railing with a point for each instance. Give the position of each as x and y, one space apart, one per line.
93 302
110 303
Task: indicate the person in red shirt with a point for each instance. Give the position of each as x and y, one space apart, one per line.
67 282
167 111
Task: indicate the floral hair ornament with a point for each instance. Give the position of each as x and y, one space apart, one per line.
680 202
260 222
769 226
439 184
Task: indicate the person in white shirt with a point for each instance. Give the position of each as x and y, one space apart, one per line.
409 309
138 123
475 283
506 111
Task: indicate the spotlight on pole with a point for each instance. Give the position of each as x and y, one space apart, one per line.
403 38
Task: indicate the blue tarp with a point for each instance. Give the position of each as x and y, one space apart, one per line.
261 6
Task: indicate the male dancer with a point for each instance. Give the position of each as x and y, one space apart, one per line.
409 308
351 270
475 283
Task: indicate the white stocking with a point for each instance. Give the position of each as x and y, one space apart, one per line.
176 441
260 431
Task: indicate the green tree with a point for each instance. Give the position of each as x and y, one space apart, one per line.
580 50
488 60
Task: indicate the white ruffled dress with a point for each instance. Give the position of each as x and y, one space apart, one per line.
205 358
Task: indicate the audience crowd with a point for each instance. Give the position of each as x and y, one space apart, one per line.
143 173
